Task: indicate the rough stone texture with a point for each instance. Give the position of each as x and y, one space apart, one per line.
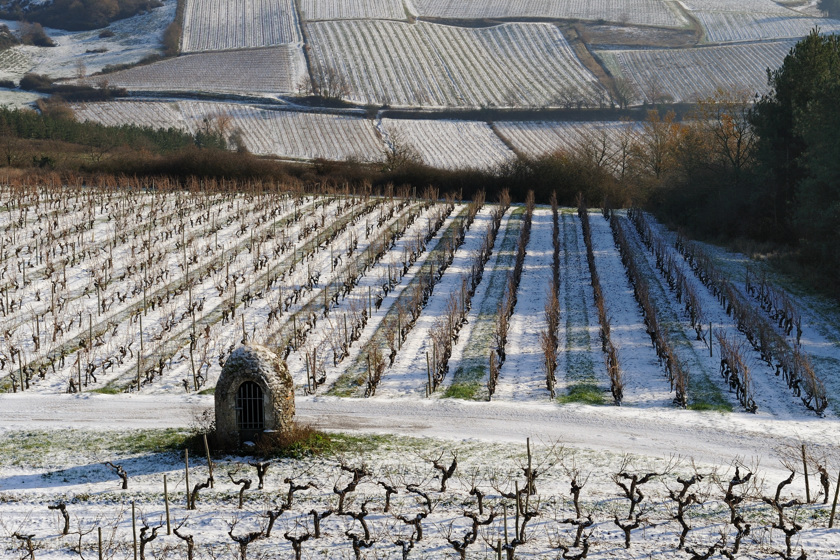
260 365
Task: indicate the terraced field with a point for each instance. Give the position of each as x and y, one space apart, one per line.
732 27
609 141
285 134
686 75
321 10
448 144
428 65
632 12
272 71
212 25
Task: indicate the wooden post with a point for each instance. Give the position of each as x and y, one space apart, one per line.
710 340
192 364
141 333
429 372
187 469
99 531
518 509
834 505
166 502
507 541
530 472
138 372
807 482
134 527
209 462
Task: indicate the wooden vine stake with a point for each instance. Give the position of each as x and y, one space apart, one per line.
834 505
807 482
187 469
166 503
99 531
209 462
711 340
134 527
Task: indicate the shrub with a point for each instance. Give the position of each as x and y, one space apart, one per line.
7 38
34 34
35 82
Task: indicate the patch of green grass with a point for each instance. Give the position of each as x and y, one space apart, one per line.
703 395
305 441
585 393
347 385
145 441
710 407
43 448
210 391
466 390
106 391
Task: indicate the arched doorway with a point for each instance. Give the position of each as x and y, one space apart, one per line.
250 414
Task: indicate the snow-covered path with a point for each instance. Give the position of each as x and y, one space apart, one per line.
705 436
523 374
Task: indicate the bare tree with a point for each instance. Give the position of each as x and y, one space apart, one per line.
329 82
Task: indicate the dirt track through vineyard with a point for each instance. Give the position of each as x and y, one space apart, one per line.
712 438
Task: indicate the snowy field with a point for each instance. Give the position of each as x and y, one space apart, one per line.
430 65
325 10
134 39
633 12
99 311
285 134
212 25
448 144
269 71
45 463
686 75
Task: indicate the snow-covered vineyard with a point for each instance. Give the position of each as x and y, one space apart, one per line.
129 290
448 144
411 307
405 498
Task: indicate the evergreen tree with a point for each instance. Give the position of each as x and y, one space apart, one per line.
798 125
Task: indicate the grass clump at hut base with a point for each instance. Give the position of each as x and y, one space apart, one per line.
300 440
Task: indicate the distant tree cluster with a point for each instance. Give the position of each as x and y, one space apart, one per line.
768 171
830 7
798 126
7 38
76 15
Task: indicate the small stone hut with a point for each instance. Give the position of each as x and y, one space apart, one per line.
255 393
